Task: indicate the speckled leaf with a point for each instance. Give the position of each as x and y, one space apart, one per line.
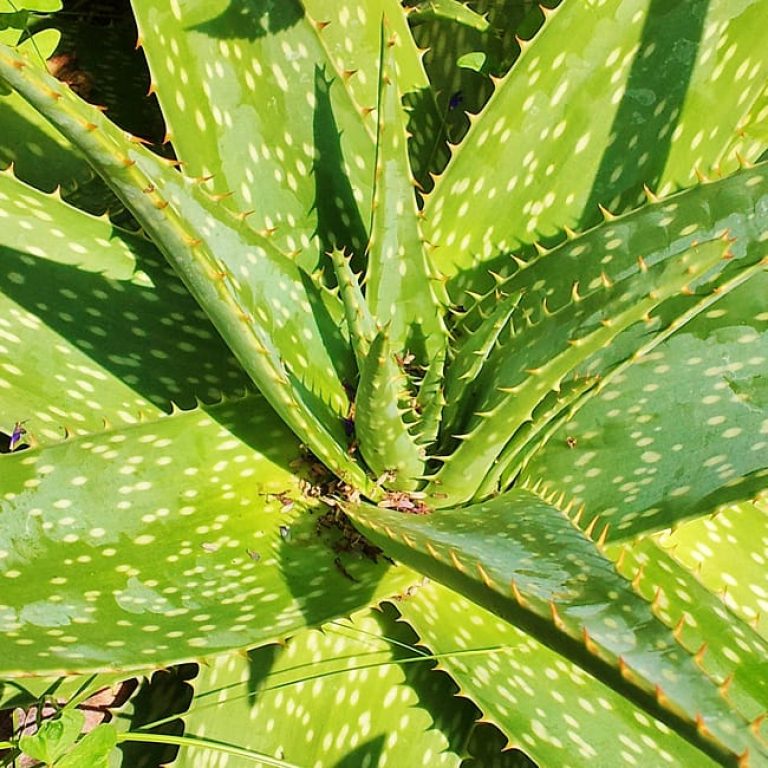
272 317
668 262
360 323
385 443
553 163
468 361
163 542
334 696
123 339
252 97
728 552
525 560
545 703
430 402
400 290
727 649
683 429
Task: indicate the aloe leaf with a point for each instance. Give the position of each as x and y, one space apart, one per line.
374 699
110 285
400 290
430 402
247 125
560 344
664 468
198 531
553 166
215 252
727 649
385 443
469 360
727 553
712 227
525 561
543 702
360 323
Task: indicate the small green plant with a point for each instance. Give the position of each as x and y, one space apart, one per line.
533 378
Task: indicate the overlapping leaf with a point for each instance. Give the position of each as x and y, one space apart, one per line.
124 337
288 700
197 530
273 316
545 703
526 562
660 120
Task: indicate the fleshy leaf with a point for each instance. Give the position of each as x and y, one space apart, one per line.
124 338
215 252
386 445
525 561
728 552
544 703
197 530
447 10
360 323
580 335
365 708
663 468
400 290
553 163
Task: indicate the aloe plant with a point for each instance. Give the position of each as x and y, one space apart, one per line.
515 403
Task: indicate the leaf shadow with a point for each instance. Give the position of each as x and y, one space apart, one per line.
252 19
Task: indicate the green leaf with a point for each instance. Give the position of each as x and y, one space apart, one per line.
727 649
353 692
553 163
430 402
545 703
110 286
215 252
525 561
680 431
92 750
703 242
385 443
360 323
184 536
400 291
728 551
54 737
474 61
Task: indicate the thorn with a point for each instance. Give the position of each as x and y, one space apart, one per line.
487 580
757 723
607 215
725 685
743 759
637 578
556 620
519 599
457 564
641 263
701 726
139 43
649 195
321 25
605 280
677 632
699 655
365 111
347 73
589 530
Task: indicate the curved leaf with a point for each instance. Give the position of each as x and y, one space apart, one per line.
183 537
525 561
543 702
